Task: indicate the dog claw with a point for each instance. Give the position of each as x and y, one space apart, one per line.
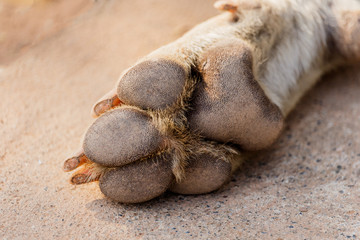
91 172
80 178
107 102
226 5
76 161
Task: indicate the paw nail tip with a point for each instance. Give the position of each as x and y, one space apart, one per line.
70 164
105 105
79 179
101 107
226 6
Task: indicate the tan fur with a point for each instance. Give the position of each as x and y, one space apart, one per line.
348 35
172 123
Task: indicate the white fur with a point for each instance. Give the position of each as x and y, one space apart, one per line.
297 64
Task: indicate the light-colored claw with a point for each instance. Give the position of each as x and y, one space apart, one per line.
82 178
107 102
226 5
79 178
76 161
90 172
234 6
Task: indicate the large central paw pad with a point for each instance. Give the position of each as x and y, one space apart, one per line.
229 104
167 128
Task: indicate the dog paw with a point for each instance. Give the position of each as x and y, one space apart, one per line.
178 120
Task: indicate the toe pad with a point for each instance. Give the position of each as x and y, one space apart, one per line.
120 137
203 175
137 182
152 84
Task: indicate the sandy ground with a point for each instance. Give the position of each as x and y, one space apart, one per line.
57 59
